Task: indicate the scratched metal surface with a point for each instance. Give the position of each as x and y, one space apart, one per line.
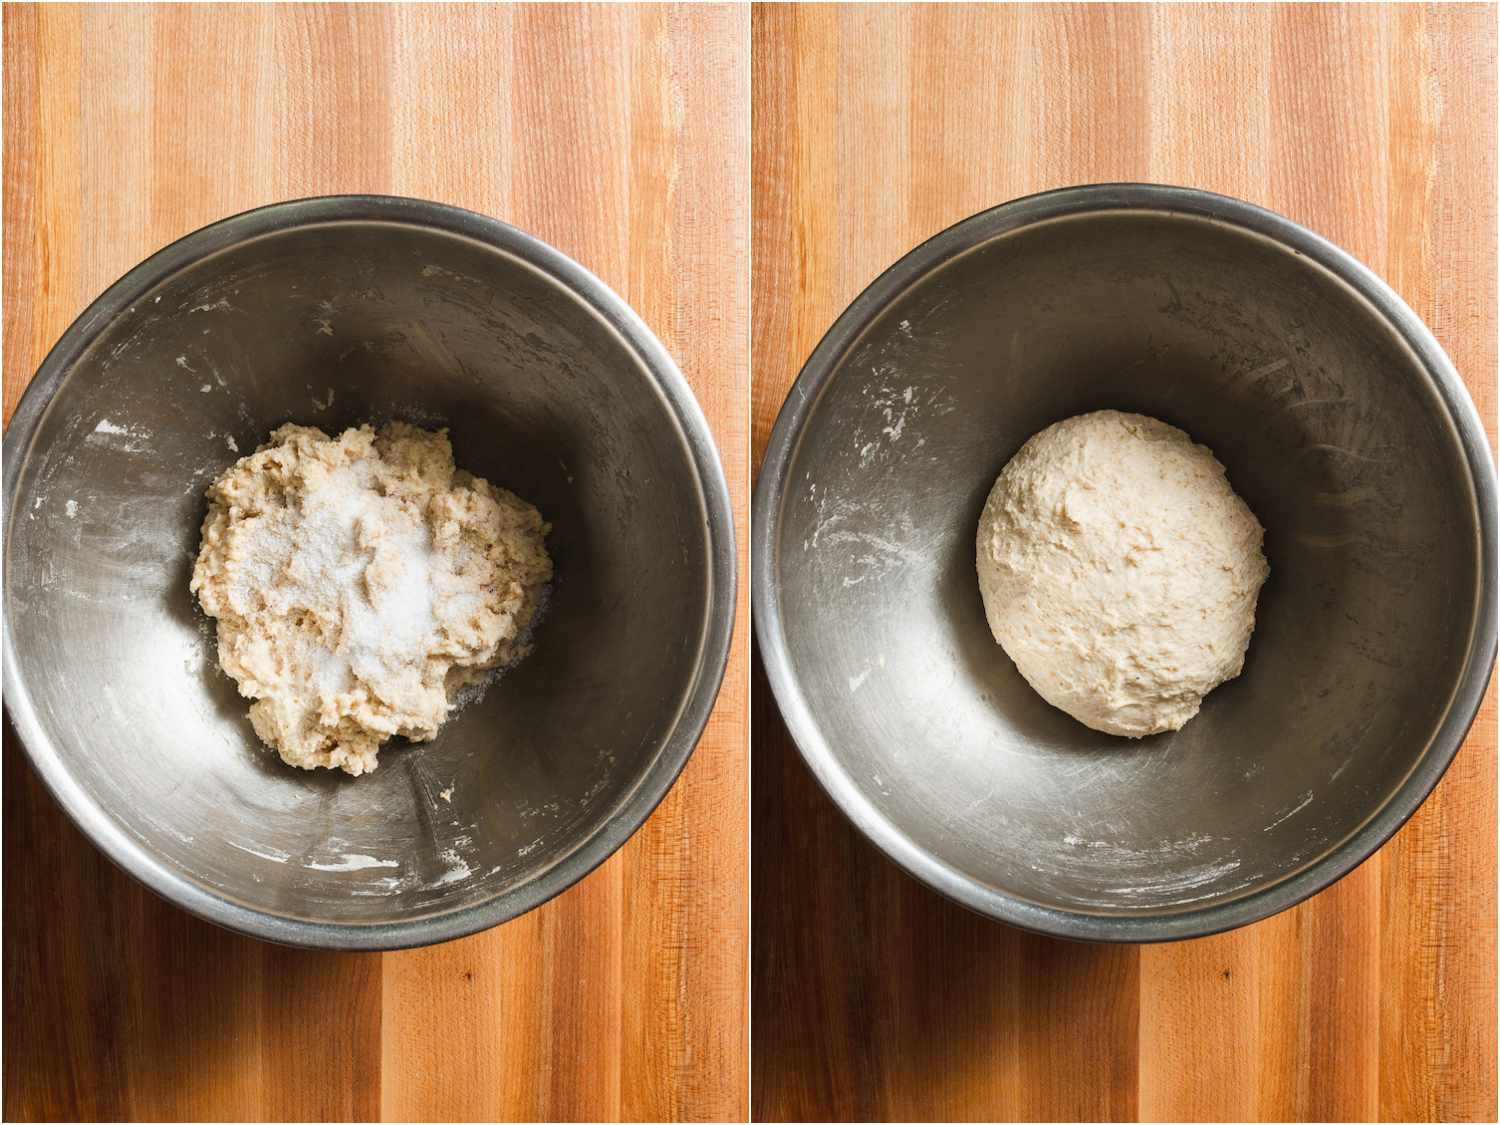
332 314
1330 427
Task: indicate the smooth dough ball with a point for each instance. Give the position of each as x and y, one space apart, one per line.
1120 571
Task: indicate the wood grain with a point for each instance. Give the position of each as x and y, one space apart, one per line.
873 128
618 134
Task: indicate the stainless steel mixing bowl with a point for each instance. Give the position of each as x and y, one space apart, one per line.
1341 423
332 312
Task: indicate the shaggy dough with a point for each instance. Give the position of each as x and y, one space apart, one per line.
359 582
1120 571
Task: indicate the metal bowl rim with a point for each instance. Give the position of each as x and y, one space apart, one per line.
719 608
937 252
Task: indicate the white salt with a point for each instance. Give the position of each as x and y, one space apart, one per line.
324 557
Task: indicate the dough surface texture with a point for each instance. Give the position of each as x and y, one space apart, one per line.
359 583
1120 571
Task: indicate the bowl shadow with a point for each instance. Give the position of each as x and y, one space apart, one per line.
172 1001
875 998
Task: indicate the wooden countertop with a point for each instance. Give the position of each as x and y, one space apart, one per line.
874 128
619 135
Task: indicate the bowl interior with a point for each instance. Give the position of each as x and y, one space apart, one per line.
1328 429
331 325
